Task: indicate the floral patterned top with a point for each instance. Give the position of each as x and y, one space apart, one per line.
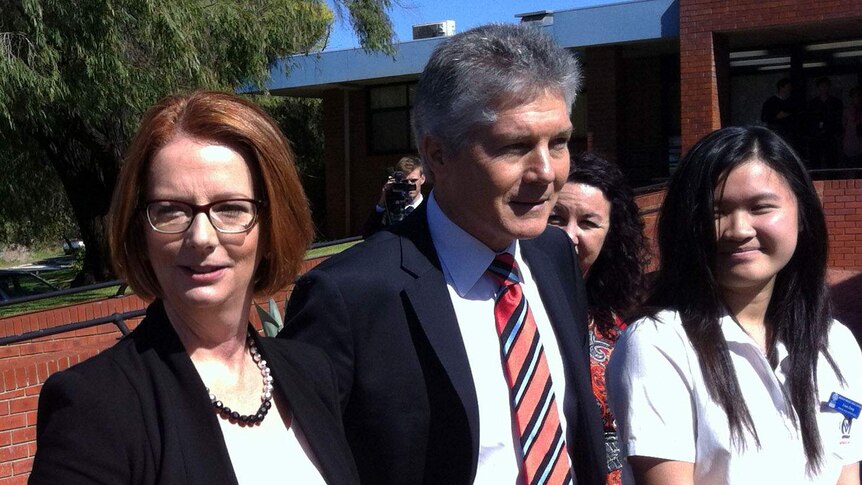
601 346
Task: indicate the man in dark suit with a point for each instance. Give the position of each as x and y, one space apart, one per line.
825 127
778 112
421 320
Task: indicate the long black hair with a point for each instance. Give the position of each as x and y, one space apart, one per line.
615 281
799 312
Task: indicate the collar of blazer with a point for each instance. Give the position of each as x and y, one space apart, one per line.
202 437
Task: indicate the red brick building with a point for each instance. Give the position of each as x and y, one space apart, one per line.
659 74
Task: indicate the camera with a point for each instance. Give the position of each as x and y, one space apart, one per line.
398 197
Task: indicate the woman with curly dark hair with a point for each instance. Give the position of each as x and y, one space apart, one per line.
597 210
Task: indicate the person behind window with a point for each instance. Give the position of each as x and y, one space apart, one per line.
853 129
823 120
778 111
208 212
727 379
597 211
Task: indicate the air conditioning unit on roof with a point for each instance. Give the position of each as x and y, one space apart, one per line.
434 29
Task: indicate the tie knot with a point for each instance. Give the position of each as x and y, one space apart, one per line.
505 269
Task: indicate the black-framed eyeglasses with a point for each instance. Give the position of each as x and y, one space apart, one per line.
232 216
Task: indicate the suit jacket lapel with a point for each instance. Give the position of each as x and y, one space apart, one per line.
203 455
430 300
310 412
555 297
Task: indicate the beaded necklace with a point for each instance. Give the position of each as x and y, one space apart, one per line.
265 397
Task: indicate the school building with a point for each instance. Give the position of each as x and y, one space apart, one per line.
659 74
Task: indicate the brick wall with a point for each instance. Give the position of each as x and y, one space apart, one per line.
842 203
703 25
333 106
649 204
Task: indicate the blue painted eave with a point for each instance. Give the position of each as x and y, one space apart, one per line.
350 65
616 23
628 21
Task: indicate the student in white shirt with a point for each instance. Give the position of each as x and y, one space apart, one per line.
727 380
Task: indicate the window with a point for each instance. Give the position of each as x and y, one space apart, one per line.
390 110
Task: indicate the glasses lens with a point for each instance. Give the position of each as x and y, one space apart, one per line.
169 216
233 215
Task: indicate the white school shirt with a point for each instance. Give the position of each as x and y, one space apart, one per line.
465 260
657 393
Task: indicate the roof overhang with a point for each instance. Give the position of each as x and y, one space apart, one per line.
615 23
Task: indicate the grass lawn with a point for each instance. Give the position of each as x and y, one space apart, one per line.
60 278
28 256
329 250
63 277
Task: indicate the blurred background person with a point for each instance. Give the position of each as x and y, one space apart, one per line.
823 120
777 111
208 212
596 208
853 130
727 380
401 194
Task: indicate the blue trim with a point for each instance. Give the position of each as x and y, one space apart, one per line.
540 421
331 68
630 21
534 360
616 23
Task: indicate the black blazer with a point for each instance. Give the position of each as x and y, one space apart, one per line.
383 313
138 413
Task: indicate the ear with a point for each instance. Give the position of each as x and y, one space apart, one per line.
431 149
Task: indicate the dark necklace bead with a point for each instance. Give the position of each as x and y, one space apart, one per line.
265 397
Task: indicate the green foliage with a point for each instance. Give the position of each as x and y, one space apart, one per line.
301 120
106 58
270 320
371 23
75 78
35 211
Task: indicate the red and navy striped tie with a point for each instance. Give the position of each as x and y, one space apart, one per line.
533 403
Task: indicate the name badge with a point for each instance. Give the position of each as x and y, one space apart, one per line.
848 407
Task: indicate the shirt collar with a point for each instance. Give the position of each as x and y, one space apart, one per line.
734 333
418 200
464 258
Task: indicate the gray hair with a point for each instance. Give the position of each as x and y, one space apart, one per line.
472 74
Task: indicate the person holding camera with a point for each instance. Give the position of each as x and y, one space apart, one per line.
401 193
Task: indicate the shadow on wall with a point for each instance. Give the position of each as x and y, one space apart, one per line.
848 305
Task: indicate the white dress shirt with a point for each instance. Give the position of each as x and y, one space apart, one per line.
293 455
662 407
418 200
465 261
412 205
